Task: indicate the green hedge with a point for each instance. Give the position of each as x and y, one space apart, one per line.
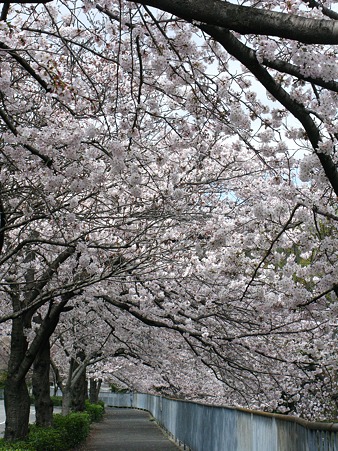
45 439
67 432
15 446
74 428
95 411
56 400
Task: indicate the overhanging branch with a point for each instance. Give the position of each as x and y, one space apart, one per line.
248 58
250 20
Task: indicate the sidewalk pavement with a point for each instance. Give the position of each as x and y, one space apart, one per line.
127 430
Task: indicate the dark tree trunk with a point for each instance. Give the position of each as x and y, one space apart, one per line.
58 385
94 390
66 400
17 402
67 390
75 391
17 406
80 392
41 387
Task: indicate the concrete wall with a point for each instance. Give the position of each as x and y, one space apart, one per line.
210 428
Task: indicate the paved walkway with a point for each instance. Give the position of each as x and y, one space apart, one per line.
127 430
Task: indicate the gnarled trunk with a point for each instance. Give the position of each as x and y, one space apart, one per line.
17 402
66 400
41 390
17 406
94 390
75 390
80 389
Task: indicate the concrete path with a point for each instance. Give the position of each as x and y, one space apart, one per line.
127 430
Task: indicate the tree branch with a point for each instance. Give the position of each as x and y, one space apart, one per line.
248 58
326 11
23 63
291 69
48 161
4 11
268 252
251 20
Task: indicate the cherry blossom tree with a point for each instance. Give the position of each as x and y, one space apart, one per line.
141 168
222 356
297 68
119 347
83 339
88 194
288 47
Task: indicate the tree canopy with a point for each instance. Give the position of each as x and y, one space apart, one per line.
169 185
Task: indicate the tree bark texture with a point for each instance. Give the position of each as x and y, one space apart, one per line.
66 400
17 406
75 391
80 391
251 20
94 390
41 387
17 402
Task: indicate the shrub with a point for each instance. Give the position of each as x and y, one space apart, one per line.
74 428
101 403
57 401
67 432
45 439
116 389
15 446
95 411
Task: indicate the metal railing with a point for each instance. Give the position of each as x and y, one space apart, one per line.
201 427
